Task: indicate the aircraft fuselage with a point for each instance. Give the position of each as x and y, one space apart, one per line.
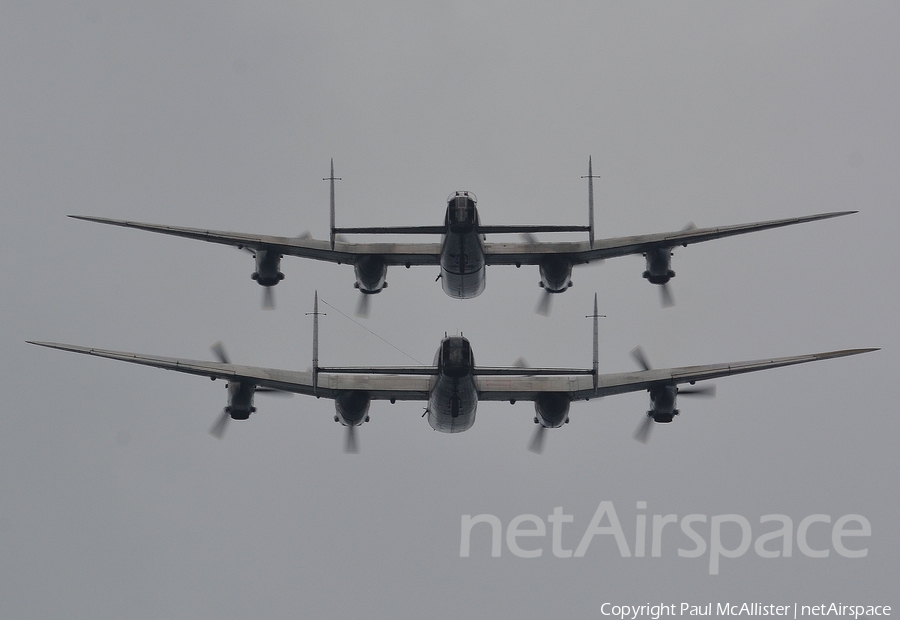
452 402
462 249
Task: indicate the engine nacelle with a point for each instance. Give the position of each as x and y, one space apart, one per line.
371 272
240 400
662 403
352 407
552 409
556 273
659 269
268 268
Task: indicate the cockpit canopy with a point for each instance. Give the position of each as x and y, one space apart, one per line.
461 214
456 358
463 194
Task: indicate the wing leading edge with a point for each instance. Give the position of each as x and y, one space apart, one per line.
379 387
585 252
582 388
316 249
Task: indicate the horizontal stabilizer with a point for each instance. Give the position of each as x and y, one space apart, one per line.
379 370
530 372
439 230
393 230
530 229
514 371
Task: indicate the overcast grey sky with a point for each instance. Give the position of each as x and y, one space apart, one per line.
114 500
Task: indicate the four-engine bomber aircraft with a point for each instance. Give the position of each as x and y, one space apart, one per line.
453 386
463 253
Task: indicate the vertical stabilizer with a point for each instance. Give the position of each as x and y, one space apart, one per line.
315 360
596 367
590 178
331 178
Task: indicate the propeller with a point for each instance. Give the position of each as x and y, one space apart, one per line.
350 444
638 354
642 432
268 294
536 444
268 298
218 349
363 305
665 296
665 292
544 303
217 430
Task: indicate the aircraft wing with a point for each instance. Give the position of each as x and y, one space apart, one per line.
581 387
379 386
416 383
307 247
531 253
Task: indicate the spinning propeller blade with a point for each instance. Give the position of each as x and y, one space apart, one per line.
268 298
536 444
642 432
638 354
363 306
544 303
218 349
665 296
666 299
217 430
350 444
